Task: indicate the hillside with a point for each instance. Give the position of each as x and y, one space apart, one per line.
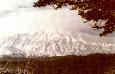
90 64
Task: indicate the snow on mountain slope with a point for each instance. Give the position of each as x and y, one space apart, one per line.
53 43
19 16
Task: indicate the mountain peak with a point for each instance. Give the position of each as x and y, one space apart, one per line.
52 43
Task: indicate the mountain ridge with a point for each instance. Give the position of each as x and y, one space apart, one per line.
53 43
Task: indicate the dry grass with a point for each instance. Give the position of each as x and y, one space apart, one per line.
91 64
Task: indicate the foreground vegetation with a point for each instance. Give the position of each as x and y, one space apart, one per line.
90 64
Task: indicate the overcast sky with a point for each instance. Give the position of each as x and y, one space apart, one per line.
18 16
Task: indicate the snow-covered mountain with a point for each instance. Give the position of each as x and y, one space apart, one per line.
19 16
55 43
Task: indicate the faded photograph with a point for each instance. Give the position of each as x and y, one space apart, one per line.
57 36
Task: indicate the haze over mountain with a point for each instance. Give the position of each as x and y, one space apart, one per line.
19 16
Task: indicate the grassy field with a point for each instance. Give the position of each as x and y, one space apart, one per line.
90 64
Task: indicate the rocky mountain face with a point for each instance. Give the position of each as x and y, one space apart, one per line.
54 43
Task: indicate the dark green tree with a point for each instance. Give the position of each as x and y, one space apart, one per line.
101 12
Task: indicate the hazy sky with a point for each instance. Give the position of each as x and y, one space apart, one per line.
18 16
